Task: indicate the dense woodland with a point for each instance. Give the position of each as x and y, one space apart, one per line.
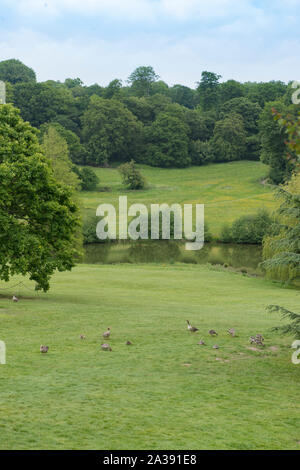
146 120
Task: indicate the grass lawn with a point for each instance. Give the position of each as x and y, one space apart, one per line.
228 190
164 391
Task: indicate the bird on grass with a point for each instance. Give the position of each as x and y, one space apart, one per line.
82 336
201 342
191 328
106 347
15 299
213 333
44 349
128 343
107 333
215 346
258 339
231 331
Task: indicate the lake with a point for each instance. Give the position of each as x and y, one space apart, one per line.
168 252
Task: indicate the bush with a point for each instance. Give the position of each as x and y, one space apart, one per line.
131 176
226 235
251 228
88 179
247 229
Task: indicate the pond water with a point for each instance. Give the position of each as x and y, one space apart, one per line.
169 252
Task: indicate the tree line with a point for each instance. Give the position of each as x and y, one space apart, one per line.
146 120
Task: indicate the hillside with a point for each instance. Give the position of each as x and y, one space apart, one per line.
228 190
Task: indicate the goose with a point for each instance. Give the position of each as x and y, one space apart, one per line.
15 299
129 343
107 333
215 346
191 328
44 349
106 347
231 331
82 336
213 333
201 342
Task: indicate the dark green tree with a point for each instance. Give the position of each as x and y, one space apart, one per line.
167 142
141 80
38 219
208 89
14 71
229 139
110 132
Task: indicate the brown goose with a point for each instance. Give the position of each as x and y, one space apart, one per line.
231 331
107 333
215 346
213 333
128 343
201 342
82 336
191 328
106 347
44 349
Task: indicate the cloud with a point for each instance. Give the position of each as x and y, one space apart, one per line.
176 60
181 10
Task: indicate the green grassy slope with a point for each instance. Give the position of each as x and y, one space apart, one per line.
164 391
228 190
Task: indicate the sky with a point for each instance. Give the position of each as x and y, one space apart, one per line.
101 40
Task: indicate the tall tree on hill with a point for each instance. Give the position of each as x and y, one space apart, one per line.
14 71
282 251
167 142
141 80
229 139
38 219
208 89
110 132
273 138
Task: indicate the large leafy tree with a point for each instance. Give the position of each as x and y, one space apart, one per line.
43 102
110 132
250 113
273 138
208 89
141 80
282 251
14 71
167 142
38 219
229 139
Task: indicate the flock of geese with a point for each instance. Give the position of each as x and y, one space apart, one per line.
257 339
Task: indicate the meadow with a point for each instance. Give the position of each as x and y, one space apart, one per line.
164 391
228 190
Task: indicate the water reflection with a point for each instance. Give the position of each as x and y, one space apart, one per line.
237 256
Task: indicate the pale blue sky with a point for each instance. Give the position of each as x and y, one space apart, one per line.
100 40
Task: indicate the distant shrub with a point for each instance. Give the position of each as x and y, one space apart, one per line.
88 179
248 229
226 235
131 176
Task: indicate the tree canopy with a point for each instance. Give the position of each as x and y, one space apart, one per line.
38 218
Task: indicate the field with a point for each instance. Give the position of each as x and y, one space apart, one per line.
162 392
228 190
